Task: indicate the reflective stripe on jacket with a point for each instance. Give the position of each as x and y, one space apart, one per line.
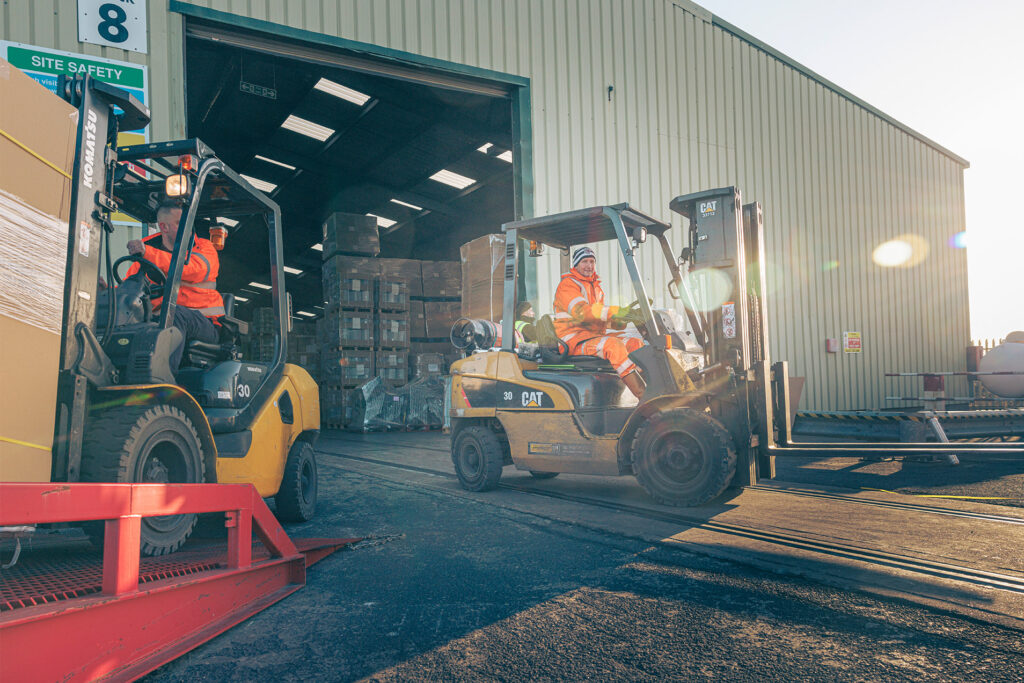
580 311
198 287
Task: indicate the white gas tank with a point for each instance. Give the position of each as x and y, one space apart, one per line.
1007 357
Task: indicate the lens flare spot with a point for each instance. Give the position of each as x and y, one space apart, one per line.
902 252
959 240
830 265
710 287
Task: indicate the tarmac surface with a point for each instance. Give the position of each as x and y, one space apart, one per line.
453 585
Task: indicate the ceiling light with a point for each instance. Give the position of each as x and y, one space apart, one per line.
261 185
292 271
307 314
307 128
275 162
230 222
259 285
381 221
506 156
454 179
485 147
240 298
320 307
338 90
317 247
411 206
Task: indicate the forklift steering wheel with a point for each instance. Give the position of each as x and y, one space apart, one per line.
150 269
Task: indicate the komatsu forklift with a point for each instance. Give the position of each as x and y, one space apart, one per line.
535 407
123 414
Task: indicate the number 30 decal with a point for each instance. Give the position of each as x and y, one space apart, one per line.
243 391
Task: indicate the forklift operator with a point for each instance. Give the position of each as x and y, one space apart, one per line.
581 320
199 302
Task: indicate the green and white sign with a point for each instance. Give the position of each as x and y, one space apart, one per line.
44 65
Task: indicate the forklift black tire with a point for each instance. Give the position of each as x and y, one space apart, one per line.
296 499
543 475
683 457
145 444
478 456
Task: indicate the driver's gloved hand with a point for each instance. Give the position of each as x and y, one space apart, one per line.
136 247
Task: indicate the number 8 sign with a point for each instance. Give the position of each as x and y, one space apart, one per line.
115 23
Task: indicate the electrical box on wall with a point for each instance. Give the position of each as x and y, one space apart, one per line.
832 345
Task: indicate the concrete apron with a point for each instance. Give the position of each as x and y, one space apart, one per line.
917 549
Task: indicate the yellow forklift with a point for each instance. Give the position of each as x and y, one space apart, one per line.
535 407
122 414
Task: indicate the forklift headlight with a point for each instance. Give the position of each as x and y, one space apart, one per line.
640 234
176 185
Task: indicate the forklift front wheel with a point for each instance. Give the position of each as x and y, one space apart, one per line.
478 457
683 457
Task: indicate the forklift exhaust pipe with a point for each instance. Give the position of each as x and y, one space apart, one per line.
469 335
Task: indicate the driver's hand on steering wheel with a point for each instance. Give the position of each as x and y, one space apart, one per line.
136 247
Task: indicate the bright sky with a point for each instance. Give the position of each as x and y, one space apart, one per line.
950 70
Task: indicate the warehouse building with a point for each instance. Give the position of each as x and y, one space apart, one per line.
446 118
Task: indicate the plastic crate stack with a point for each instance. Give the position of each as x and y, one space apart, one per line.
261 335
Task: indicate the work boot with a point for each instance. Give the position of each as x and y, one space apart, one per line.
635 384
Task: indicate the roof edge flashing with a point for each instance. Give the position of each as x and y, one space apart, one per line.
842 92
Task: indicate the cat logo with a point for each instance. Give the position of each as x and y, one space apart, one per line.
708 208
532 399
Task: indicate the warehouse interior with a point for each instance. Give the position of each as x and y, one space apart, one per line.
433 163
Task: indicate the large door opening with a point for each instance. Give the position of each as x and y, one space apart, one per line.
322 129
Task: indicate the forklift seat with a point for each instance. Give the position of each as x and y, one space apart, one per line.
555 351
202 354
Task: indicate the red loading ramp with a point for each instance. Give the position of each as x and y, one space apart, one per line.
117 617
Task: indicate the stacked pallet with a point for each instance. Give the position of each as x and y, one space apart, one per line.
435 311
349 333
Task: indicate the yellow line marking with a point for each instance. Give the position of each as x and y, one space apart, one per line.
25 443
937 495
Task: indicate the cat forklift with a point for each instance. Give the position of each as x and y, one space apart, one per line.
698 421
123 414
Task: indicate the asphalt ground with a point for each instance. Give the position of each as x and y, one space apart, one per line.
458 586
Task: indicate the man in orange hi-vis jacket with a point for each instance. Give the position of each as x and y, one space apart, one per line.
199 302
582 320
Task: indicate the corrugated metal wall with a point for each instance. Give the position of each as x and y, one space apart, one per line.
694 106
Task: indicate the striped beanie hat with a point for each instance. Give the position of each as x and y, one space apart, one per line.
582 253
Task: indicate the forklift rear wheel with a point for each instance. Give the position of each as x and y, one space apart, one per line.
296 500
145 445
543 475
478 456
683 457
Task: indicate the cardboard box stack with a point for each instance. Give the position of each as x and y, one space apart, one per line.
433 314
35 200
483 261
350 233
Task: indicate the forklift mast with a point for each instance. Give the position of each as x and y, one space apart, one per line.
91 205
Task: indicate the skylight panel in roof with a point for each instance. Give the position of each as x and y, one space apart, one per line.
260 285
484 147
381 221
338 90
307 128
317 247
261 185
307 314
292 271
241 298
453 179
275 162
411 206
230 222
506 156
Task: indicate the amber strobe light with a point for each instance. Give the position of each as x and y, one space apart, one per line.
218 235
